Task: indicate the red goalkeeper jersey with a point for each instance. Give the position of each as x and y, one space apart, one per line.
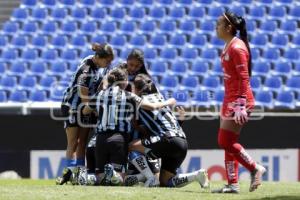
236 75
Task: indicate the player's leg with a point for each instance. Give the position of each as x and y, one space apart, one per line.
228 139
81 147
102 157
175 154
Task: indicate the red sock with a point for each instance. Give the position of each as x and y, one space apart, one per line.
232 168
228 141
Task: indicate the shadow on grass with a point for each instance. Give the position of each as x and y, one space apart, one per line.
281 198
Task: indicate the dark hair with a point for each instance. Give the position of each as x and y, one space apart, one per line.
103 50
117 75
144 84
138 55
239 24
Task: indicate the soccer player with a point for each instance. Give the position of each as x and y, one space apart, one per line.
84 84
238 101
164 139
116 108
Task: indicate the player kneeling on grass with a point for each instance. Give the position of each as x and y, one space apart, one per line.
115 108
165 139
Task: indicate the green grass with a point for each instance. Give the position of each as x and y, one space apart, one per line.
45 189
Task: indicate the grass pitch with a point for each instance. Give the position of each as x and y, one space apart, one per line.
45 189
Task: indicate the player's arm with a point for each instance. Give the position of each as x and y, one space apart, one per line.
154 106
181 112
83 84
90 106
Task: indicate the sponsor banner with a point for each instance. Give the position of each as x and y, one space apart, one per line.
282 164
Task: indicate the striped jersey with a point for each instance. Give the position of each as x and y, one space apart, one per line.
87 75
116 108
163 122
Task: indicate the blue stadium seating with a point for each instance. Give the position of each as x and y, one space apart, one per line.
285 99
9 54
273 84
190 83
18 96
20 14
169 83
271 54
294 12
209 54
167 26
20 41
219 97
150 53
289 26
178 40
49 3
38 96
199 68
3 67
78 41
179 68
189 53
280 40
158 68
182 98
18 68
282 68
47 82
198 40
157 13
88 3
261 68
8 82
158 40
118 40
58 68
291 54
39 41
28 82
98 13
177 12
293 83
56 94
49 55
49 27
257 12
277 12
29 54
128 27
117 14
38 68
3 40
211 83
256 83
168 53
138 40
201 98
148 26
10 28
196 12
78 13
264 99
29 3
3 96
268 26
214 12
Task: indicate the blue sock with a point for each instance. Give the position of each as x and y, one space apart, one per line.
71 163
80 162
134 154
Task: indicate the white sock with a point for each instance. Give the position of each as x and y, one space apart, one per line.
181 180
142 166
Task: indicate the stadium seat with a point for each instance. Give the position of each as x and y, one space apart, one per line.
89 27
78 13
215 41
59 41
148 26
29 27
29 3
3 96
8 82
225 2
108 27
209 54
280 40
282 68
268 26
38 96
127 3
189 53
190 83
261 68
137 13
18 96
245 2
107 3
296 40
29 54
196 12
59 13
88 3
182 98
255 53
57 93
199 68
158 40
251 25
265 99
138 40
39 14
294 12
201 98
150 53
185 2
117 14
168 53
285 99
259 40
166 2
99 39
178 40
291 54
68 3
157 13
98 13
217 69
187 26
158 68
207 26
3 40
179 68
198 40
28 82
20 14
18 68
38 68
10 28
271 54
296 70
205 2
128 27
211 83
256 83
293 84
169 83
118 40
58 68
277 12
146 3
47 82
125 52
69 54
49 55
288 26
19 41
273 84
214 12
49 27
177 12
9 54
238 10
257 12
218 97
49 3
3 67
79 41
167 26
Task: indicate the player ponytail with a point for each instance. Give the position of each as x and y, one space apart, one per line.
239 24
103 50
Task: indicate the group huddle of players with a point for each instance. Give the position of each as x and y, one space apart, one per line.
136 136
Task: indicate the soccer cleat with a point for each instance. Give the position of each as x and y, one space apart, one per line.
256 176
131 180
82 178
108 174
67 173
202 178
152 182
231 188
